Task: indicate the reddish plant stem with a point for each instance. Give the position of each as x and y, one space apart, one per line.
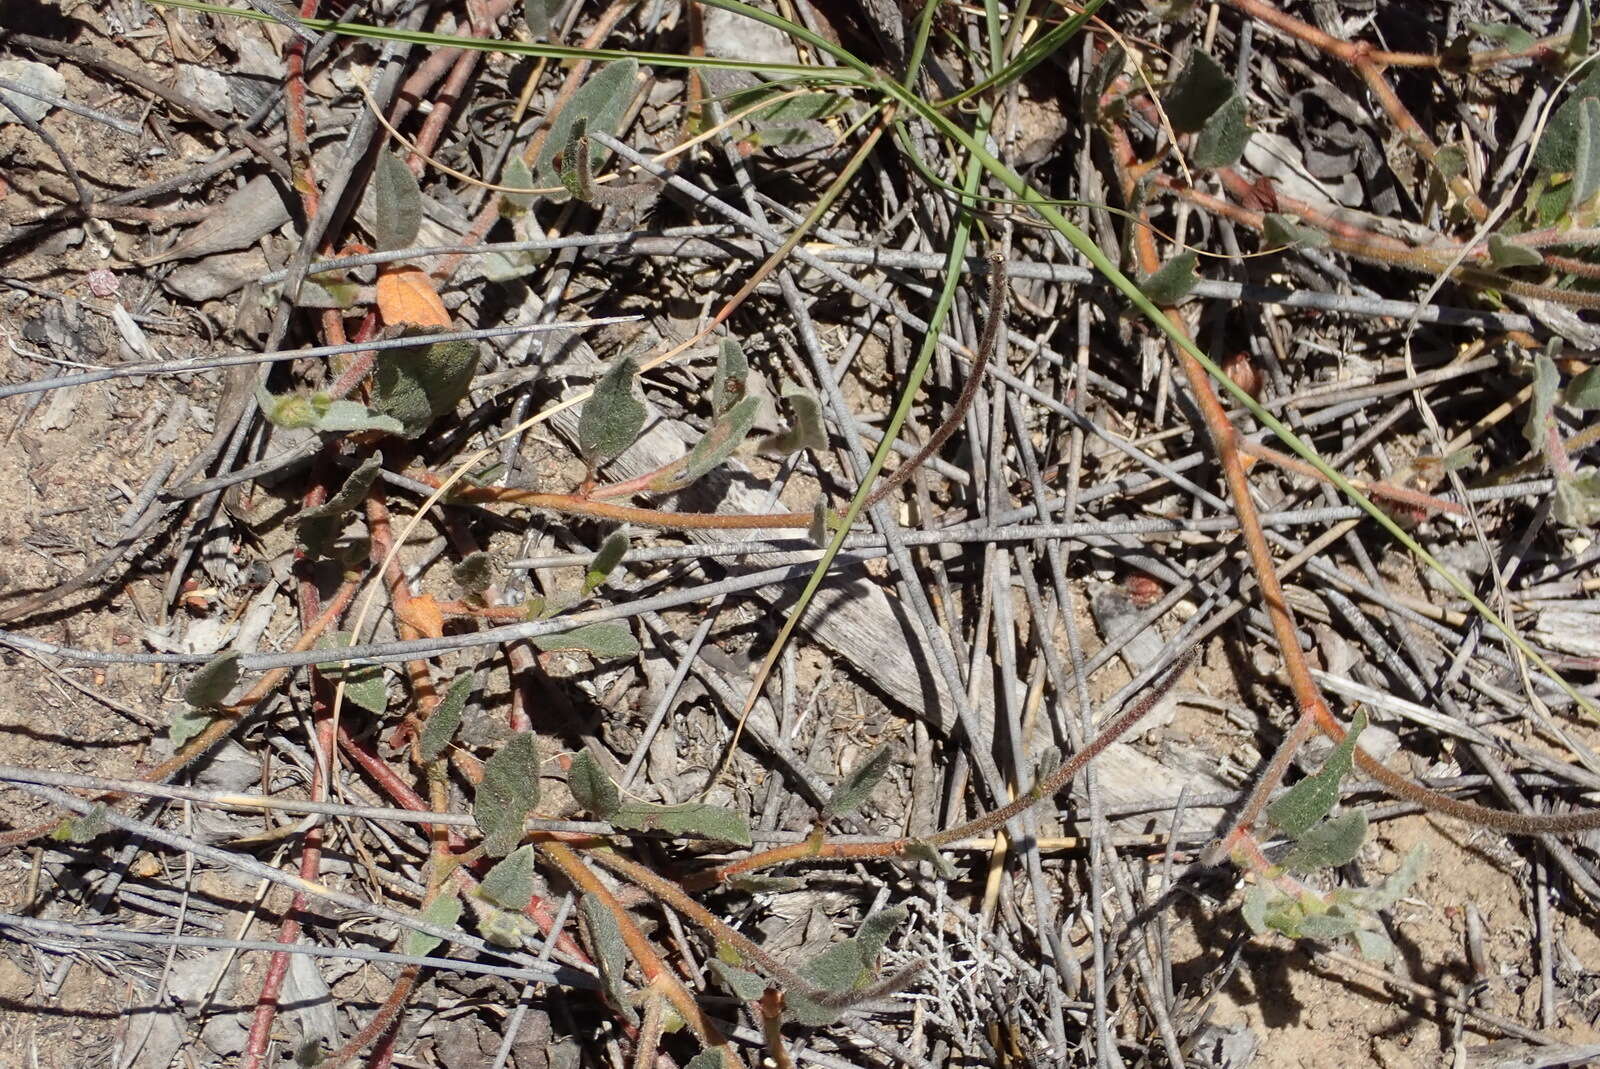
438 62
1412 131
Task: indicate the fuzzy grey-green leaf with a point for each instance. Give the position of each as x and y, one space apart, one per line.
591 788
1222 139
444 911
599 640
397 203
319 525
855 786
1505 254
509 884
605 562
612 417
806 430
1330 843
442 723
508 792
601 100
363 683
1280 229
1312 798
720 441
420 383
610 953
1586 156
187 721
728 386
742 982
693 819
215 679
1201 88
1173 280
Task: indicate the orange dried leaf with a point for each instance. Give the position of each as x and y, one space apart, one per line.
406 295
421 614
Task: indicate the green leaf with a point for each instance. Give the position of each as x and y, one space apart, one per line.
601 101
1329 844
444 911
692 819
610 952
509 884
755 883
591 788
1504 34
1586 156
215 679
442 723
503 927
420 383
1582 35
1326 926
806 107
742 982
1374 946
475 573
919 850
1173 281
1222 140
515 174
1583 391
1558 147
727 433
537 15
319 525
1450 161
855 787
397 203
710 1058
186 723
1279 229
728 386
1312 798
1546 381
1200 90
845 966
340 416
1505 254
83 827
599 640
508 793
1254 910
805 430
1397 884
291 411
605 562
1101 76
363 683
572 165
1577 501
612 417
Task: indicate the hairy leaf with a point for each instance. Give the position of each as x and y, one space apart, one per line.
291 411
1398 883
1279 229
598 640
855 787
1584 390
1312 798
693 819
1582 35
605 562
508 792
1254 910
213 681
475 573
509 884
805 431
725 436
341 415
919 850
418 384
319 525
612 417
363 683
742 982
591 788
1577 501
1222 140
610 952
572 163
444 911
187 722
83 827
1586 156
1546 381
601 101
515 174
1505 254
442 723
710 1058
1374 946
1504 34
1199 91
1173 280
397 203
1326 926
1330 843
1557 148
537 14
728 383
